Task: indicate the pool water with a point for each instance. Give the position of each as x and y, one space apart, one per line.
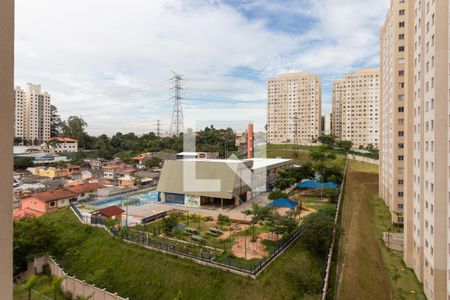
118 200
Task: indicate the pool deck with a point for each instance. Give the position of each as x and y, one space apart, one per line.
154 208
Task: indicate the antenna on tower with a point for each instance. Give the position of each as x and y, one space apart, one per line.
158 128
176 125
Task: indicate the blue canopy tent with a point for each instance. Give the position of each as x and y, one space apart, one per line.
283 202
308 184
311 184
329 185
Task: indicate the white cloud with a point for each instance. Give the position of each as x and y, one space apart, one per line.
86 52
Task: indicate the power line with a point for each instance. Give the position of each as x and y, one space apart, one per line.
176 125
158 128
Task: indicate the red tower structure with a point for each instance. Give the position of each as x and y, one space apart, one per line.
250 141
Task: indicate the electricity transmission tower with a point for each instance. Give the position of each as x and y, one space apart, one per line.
158 128
176 125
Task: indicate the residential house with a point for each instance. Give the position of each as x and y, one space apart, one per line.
110 170
110 212
85 191
44 202
126 178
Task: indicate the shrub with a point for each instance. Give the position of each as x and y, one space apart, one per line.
277 194
223 219
317 231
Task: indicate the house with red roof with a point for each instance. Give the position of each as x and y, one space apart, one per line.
85 191
110 212
44 202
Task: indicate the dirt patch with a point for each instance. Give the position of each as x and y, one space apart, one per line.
254 250
360 265
307 212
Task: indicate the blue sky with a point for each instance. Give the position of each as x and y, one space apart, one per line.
110 61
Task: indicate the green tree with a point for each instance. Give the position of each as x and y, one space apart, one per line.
327 139
152 162
284 183
18 141
345 146
260 215
317 230
169 223
22 162
55 122
104 147
32 237
74 127
126 156
77 158
277 194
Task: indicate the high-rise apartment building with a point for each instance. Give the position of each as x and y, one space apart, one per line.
355 102
415 135
396 100
294 108
32 113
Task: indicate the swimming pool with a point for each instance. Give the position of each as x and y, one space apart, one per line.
138 199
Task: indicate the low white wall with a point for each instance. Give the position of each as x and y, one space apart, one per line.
79 288
76 287
363 159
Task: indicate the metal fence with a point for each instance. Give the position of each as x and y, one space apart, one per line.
195 252
207 255
326 279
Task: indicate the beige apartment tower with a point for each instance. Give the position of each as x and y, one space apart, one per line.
32 114
355 102
426 202
294 108
396 101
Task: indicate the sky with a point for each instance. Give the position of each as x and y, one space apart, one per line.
111 62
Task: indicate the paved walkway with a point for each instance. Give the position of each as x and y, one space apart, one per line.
150 209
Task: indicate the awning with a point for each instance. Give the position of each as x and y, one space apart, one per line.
283 202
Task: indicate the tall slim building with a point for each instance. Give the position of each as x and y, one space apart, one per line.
396 100
428 215
294 108
32 113
355 102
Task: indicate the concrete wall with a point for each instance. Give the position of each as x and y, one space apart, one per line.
363 159
6 143
76 287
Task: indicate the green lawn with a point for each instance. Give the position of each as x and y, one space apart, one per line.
366 268
299 153
131 271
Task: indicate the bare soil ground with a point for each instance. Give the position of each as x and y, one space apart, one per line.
254 250
360 262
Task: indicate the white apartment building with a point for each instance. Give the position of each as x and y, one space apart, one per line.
355 102
62 145
294 108
32 113
326 126
396 100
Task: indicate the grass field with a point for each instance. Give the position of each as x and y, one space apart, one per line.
366 268
300 154
131 271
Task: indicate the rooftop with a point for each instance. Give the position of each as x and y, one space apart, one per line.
63 139
84 188
109 211
54 195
